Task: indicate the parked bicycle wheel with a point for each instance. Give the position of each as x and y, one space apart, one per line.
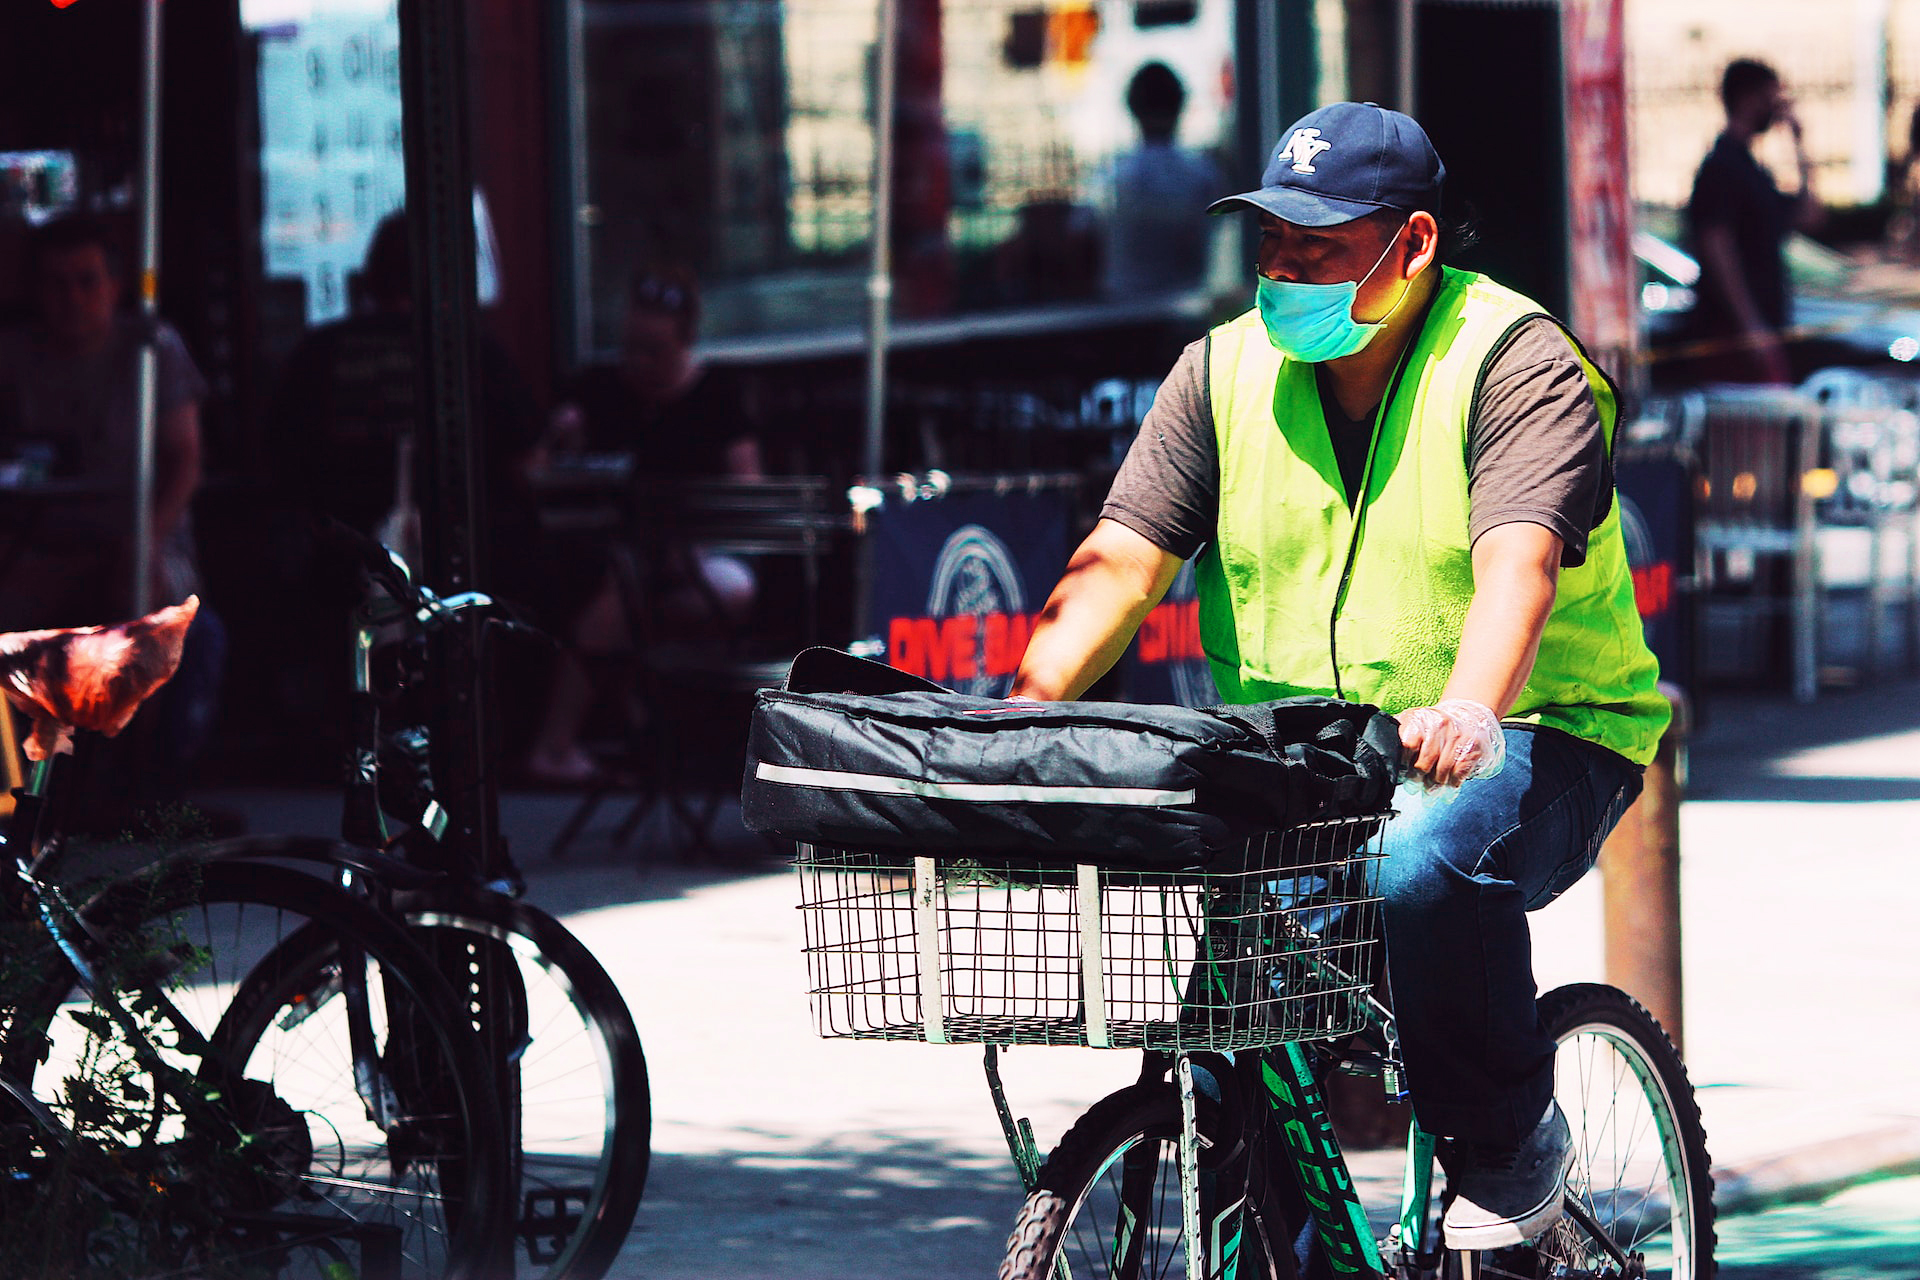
585 1120
585 1125
1108 1202
326 1145
1640 1167
585 1110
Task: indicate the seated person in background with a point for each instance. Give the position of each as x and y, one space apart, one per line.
70 398
342 422
679 420
69 395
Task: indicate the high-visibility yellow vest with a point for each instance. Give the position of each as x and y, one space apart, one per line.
1302 594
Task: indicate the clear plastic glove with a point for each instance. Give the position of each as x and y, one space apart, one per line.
1452 742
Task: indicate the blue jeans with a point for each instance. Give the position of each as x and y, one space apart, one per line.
1459 879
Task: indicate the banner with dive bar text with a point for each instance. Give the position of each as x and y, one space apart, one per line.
958 577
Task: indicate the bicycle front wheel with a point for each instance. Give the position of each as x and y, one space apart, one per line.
585 1111
1640 1168
1108 1203
283 1126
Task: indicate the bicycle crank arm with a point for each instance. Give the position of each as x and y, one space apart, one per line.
1631 1267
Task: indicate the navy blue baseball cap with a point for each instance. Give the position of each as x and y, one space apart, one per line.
1343 162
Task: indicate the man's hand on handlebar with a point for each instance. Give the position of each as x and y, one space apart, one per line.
1451 742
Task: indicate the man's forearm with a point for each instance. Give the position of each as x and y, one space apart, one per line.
1515 577
1076 641
1111 583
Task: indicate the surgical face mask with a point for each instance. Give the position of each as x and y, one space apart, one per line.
1314 322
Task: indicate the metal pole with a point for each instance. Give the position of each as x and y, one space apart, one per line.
579 230
434 116
1405 65
148 368
433 66
1806 429
1267 82
1640 871
880 274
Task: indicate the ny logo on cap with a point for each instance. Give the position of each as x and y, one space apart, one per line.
1301 148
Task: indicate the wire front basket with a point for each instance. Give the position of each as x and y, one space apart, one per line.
1280 948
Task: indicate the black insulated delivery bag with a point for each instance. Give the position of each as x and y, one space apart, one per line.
1144 787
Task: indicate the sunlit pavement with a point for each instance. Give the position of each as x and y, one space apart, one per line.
786 1156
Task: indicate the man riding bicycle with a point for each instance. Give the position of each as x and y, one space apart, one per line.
1400 474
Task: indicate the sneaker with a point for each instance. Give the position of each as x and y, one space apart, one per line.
1504 1196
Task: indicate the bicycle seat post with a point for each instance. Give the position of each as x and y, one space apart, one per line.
29 808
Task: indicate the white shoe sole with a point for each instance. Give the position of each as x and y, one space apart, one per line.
1481 1236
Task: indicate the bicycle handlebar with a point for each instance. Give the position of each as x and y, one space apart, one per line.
384 568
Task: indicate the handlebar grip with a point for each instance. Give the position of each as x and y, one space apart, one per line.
514 627
1382 733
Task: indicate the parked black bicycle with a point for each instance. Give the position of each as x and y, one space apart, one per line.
177 1095
582 1132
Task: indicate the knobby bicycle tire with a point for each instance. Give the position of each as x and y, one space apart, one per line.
1125 1150
318 1181
1640 1167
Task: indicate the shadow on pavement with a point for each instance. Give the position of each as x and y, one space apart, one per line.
1744 747
896 1209
653 866
1815 790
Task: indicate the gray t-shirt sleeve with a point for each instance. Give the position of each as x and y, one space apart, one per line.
177 379
1168 489
1536 451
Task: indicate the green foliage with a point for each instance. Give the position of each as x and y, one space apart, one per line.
132 1155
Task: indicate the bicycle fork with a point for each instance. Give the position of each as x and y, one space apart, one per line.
1210 1228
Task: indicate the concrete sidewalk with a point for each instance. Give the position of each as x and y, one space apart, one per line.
780 1154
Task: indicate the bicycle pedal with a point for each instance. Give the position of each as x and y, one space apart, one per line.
549 1220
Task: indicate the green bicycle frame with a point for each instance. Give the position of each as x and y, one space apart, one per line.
1296 1109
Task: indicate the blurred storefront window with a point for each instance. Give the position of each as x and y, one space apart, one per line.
735 136
332 163
332 155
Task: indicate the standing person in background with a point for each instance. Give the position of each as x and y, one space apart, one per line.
1155 242
343 424
1903 193
1738 221
342 417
